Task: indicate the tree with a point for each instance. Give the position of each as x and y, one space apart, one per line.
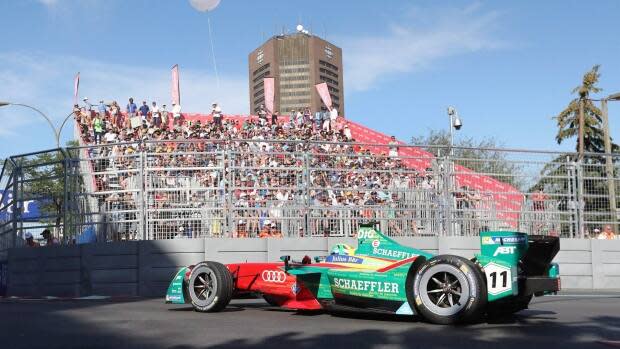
44 180
482 156
568 119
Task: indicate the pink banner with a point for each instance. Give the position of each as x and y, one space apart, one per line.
269 94
324 93
175 90
76 87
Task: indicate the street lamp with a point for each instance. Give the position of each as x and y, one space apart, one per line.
56 131
609 167
455 123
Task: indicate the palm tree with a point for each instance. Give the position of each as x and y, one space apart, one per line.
568 119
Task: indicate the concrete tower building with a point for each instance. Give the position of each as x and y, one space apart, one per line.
297 62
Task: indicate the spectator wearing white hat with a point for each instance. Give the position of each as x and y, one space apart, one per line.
347 132
242 230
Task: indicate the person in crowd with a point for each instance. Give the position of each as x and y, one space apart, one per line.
132 108
102 108
333 116
262 115
274 232
393 152
98 128
117 116
538 200
266 230
156 115
607 233
274 117
110 136
144 111
30 240
216 113
318 118
164 117
49 238
307 116
299 118
242 229
176 114
347 133
326 125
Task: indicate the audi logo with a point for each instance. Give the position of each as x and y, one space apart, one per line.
277 276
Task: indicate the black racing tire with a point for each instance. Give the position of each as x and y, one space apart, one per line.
210 287
447 290
508 306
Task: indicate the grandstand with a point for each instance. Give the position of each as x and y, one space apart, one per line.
298 177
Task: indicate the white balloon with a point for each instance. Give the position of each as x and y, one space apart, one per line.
204 5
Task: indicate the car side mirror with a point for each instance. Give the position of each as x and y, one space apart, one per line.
285 259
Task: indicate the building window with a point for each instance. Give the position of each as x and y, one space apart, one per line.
295 70
295 77
328 72
260 77
289 86
326 79
260 56
265 67
328 52
257 93
328 65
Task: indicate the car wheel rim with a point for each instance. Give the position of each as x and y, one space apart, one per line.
203 286
444 289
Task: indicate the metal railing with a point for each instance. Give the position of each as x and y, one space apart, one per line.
251 188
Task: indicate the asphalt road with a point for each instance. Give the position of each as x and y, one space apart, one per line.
553 322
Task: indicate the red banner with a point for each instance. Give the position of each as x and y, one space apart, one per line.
269 94
76 87
175 90
324 94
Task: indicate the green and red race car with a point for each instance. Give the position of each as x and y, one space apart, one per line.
383 275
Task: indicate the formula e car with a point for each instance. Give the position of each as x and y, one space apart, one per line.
383 275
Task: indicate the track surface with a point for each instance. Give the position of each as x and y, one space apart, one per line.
553 322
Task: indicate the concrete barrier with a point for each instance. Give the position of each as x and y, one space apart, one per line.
144 268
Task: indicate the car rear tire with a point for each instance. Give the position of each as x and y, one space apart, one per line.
448 290
210 287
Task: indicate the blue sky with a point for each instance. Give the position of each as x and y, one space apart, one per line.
507 67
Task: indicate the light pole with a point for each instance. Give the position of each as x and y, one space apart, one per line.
450 182
609 167
455 123
56 131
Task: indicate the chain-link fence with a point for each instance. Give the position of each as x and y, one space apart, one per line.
259 188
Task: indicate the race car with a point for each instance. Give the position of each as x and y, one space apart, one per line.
382 275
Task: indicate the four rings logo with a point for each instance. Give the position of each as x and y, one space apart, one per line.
277 276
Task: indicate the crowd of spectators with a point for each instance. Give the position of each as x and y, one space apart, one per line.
275 167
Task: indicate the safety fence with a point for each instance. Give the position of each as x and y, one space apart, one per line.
258 188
